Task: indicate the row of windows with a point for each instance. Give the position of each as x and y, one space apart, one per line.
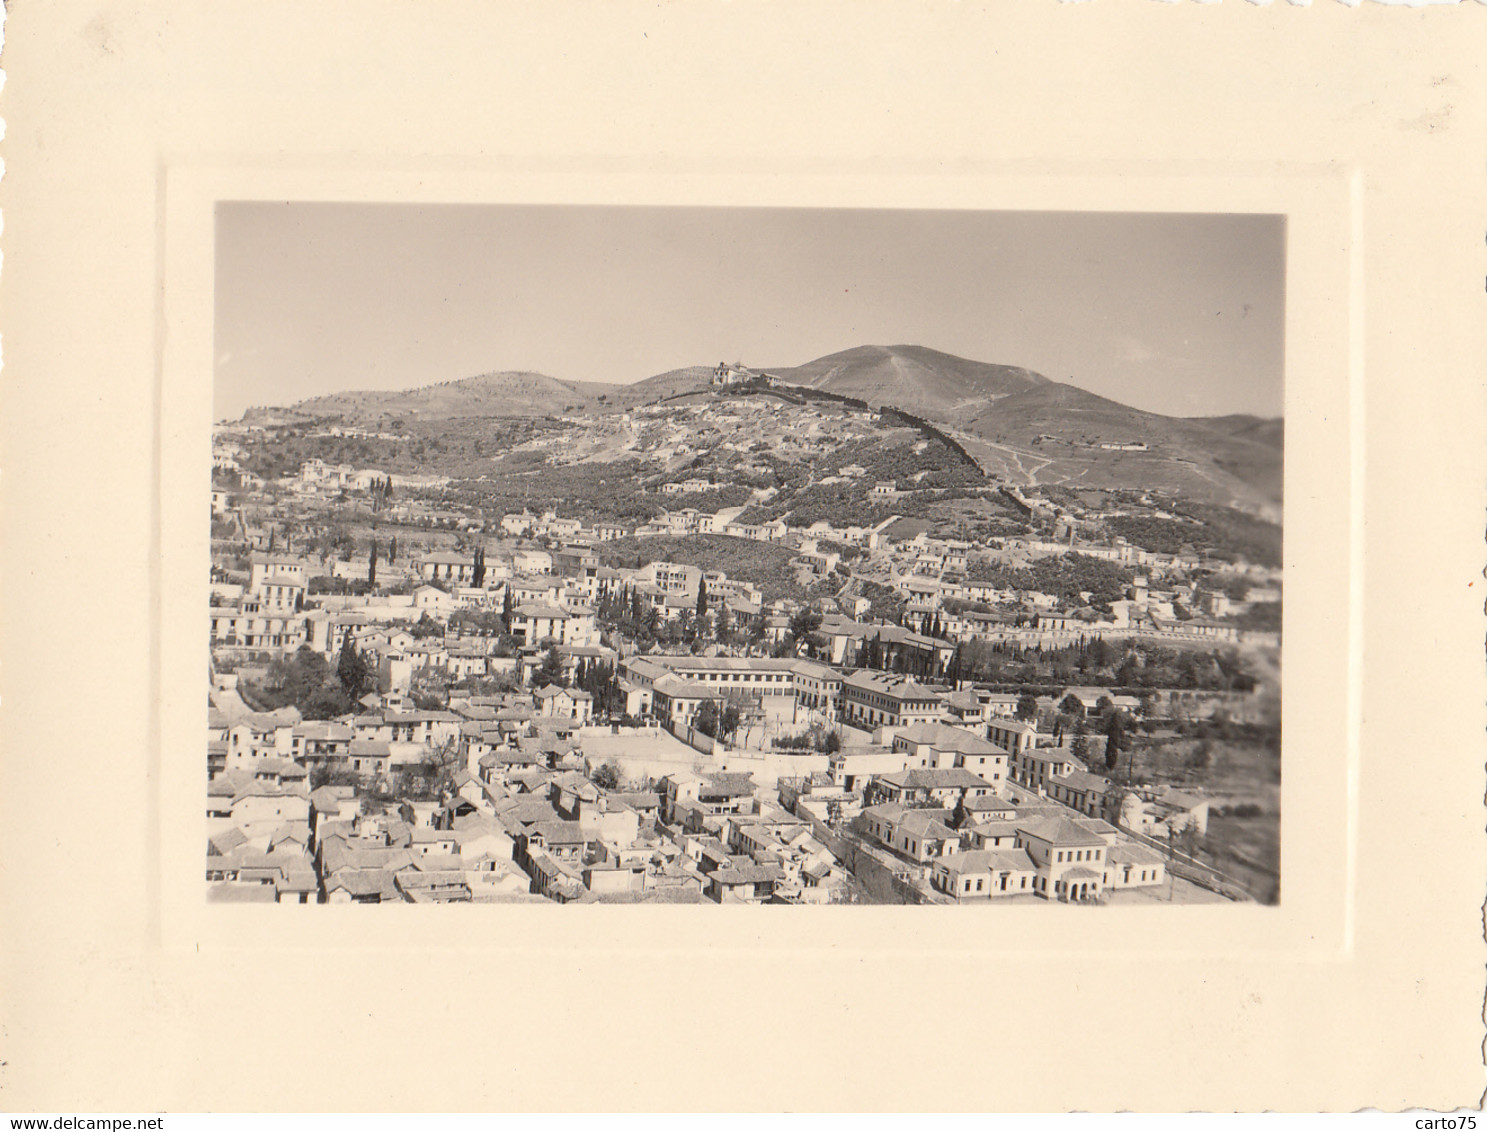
745 677
1005 884
1080 854
878 700
261 640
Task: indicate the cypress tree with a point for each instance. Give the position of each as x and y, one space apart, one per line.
351 669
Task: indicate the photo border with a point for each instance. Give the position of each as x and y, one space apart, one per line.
1323 466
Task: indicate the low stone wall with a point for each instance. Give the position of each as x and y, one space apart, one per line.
697 740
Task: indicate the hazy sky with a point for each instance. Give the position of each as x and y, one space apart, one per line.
1181 314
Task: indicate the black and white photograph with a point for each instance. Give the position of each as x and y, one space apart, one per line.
1004 480
691 555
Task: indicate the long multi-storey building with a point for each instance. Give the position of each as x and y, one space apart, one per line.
876 699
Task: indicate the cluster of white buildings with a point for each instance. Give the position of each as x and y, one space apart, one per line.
316 476
517 816
520 815
944 784
950 781
965 817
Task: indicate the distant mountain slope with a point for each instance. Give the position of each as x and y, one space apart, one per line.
505 394
1017 424
689 379
1066 426
1069 413
1041 431
1269 431
911 377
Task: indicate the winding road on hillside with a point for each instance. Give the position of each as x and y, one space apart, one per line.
1008 461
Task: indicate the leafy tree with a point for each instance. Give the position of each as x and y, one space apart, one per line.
607 776
1072 704
1202 756
1115 740
326 702
392 550
508 607
294 680
1079 745
701 600
478 576
326 776
551 671
729 720
804 623
706 718
372 565
717 720
756 630
426 627
1027 706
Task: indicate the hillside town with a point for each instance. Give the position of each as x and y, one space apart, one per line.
707 694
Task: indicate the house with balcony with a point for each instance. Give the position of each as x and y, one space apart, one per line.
717 793
937 787
447 566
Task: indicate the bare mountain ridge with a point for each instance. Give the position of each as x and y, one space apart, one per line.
1080 436
1028 429
509 393
911 377
688 379
1043 431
